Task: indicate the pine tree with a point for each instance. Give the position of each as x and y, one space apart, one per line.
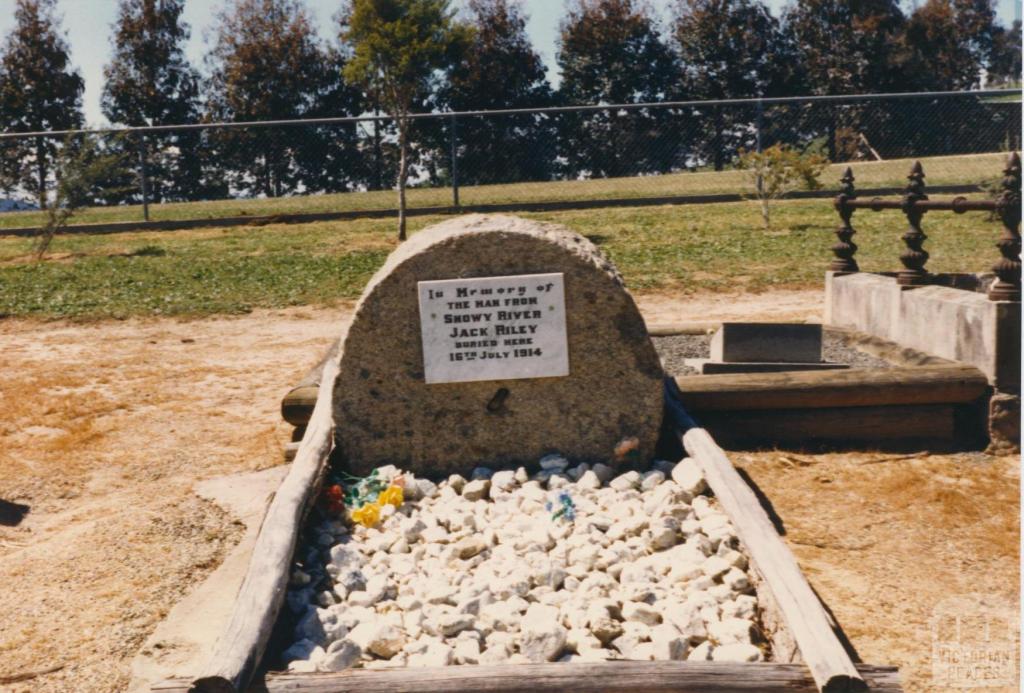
398 45
268 64
731 49
500 70
39 90
610 51
149 82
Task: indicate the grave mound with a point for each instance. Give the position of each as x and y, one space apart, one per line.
500 340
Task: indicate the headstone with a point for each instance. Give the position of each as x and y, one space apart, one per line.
739 342
495 340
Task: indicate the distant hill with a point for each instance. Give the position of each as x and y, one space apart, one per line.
7 205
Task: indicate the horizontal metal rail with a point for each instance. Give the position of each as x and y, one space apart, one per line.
765 101
914 204
957 204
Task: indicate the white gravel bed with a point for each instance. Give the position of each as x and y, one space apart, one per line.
642 566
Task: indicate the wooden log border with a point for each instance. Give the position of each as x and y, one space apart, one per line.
297 404
592 677
804 615
239 650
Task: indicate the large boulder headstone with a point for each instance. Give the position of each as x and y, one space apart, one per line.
495 340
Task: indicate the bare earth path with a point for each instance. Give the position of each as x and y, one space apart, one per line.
106 427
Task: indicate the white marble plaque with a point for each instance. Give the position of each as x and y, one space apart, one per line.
493 328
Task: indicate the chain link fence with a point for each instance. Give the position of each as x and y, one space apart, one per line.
516 157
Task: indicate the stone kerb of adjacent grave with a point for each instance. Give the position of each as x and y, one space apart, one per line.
495 339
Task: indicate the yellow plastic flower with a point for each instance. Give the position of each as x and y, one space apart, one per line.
367 516
391 495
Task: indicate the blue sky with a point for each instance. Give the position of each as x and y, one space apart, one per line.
88 25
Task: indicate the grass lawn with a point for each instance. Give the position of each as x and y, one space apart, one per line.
948 170
687 248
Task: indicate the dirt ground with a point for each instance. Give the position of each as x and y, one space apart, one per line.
106 427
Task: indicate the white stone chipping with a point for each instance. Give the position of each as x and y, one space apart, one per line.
641 565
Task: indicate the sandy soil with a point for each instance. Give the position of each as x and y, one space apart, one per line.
106 428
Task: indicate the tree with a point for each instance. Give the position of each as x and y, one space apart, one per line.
731 49
149 82
949 43
39 90
268 64
328 157
1004 65
88 173
610 52
848 47
398 45
500 70
778 169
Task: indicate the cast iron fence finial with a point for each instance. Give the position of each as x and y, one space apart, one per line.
914 257
844 249
1008 207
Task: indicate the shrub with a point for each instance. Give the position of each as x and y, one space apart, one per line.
777 170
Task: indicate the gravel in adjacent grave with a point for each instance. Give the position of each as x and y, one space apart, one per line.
675 349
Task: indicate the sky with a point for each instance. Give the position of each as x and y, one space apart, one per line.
88 26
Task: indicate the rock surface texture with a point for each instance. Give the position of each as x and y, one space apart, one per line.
540 568
385 413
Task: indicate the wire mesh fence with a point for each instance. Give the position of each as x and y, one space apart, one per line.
510 157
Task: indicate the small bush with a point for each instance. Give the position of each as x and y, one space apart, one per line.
777 170
85 171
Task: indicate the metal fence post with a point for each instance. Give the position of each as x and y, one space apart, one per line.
143 178
760 126
455 161
760 123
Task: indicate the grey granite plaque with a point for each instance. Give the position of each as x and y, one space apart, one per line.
493 328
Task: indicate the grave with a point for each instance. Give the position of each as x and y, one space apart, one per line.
449 519
972 318
506 340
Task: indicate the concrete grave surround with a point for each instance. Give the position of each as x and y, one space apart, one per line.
385 412
954 324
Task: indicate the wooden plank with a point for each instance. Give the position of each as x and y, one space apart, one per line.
856 387
239 650
591 677
834 425
297 405
668 329
290 449
806 618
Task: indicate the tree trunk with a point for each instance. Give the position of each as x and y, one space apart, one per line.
41 172
833 150
378 155
403 172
